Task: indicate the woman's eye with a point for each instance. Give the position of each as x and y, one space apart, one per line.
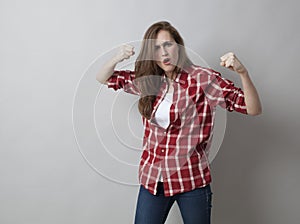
156 48
168 44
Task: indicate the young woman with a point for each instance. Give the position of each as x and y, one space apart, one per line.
177 103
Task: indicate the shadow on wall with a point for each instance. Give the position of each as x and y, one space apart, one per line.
255 172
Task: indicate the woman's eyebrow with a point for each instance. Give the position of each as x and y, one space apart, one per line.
164 43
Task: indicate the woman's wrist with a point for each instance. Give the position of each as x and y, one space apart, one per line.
244 73
115 60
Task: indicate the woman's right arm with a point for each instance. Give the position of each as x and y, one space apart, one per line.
125 52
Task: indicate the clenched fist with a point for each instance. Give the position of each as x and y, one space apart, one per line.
230 61
125 52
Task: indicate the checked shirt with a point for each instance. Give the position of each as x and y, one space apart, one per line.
179 153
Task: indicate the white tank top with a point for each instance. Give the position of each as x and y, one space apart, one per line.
162 114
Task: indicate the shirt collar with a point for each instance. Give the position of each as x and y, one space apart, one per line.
180 77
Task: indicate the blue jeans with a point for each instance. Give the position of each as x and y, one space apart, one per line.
195 206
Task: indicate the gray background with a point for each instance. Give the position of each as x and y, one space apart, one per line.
46 47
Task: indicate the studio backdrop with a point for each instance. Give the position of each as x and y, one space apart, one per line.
70 147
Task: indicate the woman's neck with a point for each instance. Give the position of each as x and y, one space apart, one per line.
171 75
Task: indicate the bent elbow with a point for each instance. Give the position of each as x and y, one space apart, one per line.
101 81
255 112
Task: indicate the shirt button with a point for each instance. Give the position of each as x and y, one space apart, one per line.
162 150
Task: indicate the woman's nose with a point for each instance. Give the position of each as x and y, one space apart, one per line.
164 52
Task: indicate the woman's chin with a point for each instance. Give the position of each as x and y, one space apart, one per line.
168 68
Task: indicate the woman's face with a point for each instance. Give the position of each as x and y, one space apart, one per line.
166 51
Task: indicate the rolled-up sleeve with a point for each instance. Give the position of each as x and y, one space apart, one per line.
123 79
224 93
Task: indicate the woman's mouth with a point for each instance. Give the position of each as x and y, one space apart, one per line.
167 61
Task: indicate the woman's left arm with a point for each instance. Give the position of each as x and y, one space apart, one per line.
252 101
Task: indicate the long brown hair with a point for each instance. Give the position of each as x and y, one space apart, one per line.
146 66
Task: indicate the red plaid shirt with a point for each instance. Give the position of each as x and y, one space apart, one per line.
179 153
